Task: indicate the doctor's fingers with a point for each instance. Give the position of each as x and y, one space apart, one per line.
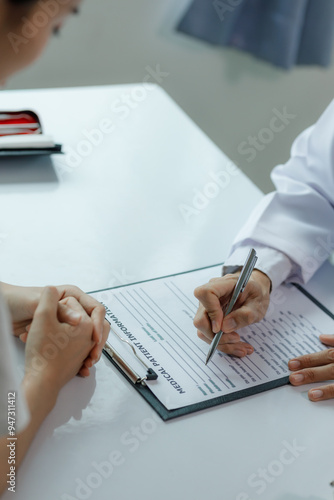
203 324
310 375
322 393
251 312
327 339
319 367
230 345
211 296
319 374
316 359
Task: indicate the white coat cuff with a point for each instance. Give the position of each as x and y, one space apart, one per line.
274 264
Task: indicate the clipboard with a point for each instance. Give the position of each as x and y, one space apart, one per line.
138 380
131 373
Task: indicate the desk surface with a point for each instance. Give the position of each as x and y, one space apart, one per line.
149 196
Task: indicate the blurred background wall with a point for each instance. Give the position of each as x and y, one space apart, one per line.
231 95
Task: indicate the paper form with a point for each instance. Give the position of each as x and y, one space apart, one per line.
156 317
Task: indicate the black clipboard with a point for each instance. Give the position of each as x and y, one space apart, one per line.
138 382
56 149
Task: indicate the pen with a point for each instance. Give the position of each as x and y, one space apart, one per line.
246 271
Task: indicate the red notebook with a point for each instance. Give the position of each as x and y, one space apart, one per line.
21 134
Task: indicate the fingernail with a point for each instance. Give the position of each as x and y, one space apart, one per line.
250 350
215 327
101 335
238 353
317 394
294 365
298 377
326 338
229 324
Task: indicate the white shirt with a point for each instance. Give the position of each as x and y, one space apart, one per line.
9 377
292 229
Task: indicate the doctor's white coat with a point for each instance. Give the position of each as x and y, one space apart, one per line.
292 229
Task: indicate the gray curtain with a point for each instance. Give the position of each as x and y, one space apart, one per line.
283 32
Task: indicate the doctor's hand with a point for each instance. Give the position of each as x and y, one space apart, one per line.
250 307
317 367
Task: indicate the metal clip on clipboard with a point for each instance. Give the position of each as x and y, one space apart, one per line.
124 366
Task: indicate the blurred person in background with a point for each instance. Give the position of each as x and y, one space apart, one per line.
63 328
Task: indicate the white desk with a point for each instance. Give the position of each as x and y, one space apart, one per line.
113 219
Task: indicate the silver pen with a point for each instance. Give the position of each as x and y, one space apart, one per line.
246 271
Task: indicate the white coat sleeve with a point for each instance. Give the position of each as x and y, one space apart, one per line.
297 220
